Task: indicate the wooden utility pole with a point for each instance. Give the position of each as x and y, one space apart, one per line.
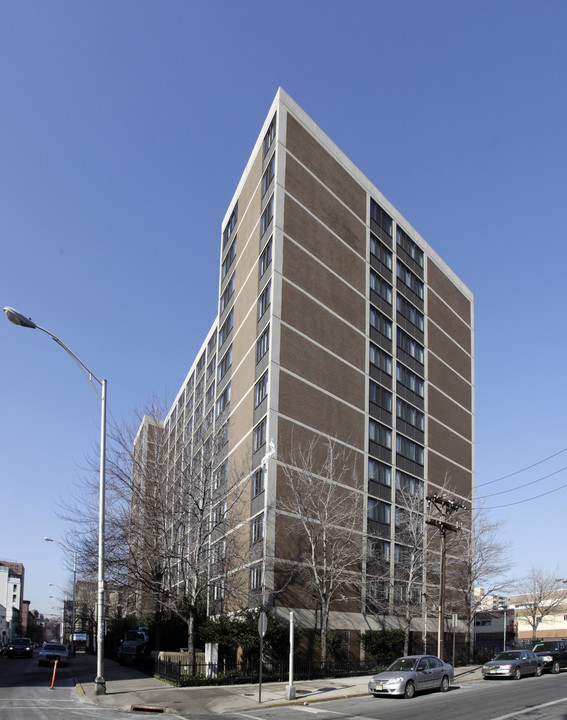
445 508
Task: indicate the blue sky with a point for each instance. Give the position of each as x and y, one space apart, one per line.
125 127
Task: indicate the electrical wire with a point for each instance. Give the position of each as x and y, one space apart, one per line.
519 487
519 502
517 472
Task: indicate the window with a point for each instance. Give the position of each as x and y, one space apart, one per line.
265 299
409 449
257 528
269 137
380 396
379 472
409 414
408 484
258 482
260 435
218 514
268 175
380 251
380 550
218 552
201 363
411 313
227 294
212 344
409 379
378 590
409 279
256 577
410 346
229 259
200 386
380 323
223 400
220 475
267 216
224 364
217 590
381 217
231 224
263 344
266 257
261 389
405 242
210 393
380 434
211 368
380 286
380 359
378 511
224 332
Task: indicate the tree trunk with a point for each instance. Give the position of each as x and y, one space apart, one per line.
191 640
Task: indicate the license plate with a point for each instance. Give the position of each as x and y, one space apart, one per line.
492 672
378 687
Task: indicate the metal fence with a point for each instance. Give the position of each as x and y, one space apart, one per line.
185 675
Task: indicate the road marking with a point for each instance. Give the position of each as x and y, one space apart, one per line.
530 709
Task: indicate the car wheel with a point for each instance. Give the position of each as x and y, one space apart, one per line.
538 671
409 691
555 668
444 684
517 674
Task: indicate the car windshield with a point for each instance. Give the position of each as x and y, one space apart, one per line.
508 656
54 647
544 646
19 641
403 664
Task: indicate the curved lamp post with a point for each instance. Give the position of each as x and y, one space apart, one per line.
18 319
73 614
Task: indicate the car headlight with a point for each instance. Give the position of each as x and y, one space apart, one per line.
508 666
394 681
546 658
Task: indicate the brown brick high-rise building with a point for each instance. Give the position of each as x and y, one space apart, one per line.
336 319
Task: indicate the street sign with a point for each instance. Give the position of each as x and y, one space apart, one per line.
262 624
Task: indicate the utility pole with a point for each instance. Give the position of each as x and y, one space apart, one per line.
446 508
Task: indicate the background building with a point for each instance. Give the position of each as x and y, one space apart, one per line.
11 595
336 321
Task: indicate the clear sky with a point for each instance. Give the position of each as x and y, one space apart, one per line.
124 129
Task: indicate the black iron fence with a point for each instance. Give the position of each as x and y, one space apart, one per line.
182 674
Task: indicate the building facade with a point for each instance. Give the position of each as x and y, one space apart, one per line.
12 576
336 321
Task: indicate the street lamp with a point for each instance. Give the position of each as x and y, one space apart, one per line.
18 319
73 614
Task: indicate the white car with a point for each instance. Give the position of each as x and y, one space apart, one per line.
52 651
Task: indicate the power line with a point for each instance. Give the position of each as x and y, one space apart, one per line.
519 502
517 472
519 487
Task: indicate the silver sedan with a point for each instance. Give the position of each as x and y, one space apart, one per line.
513 664
408 675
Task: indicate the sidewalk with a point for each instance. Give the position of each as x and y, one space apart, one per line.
128 689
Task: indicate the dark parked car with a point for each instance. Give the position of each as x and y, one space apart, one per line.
553 654
513 664
22 647
407 675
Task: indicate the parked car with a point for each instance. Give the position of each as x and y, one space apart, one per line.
513 664
408 675
22 647
52 651
553 654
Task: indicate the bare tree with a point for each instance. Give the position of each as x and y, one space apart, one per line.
399 592
479 567
171 513
541 596
325 506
